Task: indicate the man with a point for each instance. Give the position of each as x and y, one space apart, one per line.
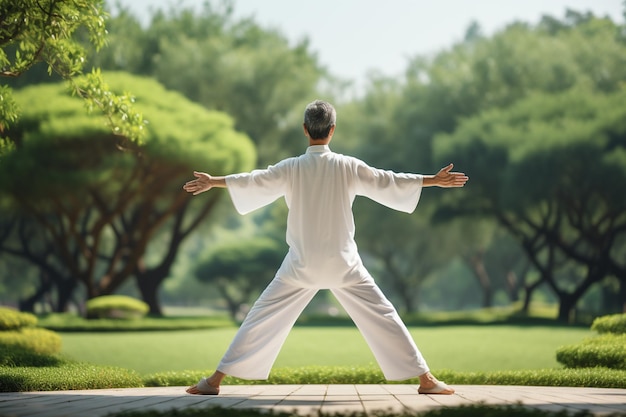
319 188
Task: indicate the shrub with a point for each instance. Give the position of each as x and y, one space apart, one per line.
35 340
587 377
67 322
12 356
116 307
615 323
607 350
12 319
67 376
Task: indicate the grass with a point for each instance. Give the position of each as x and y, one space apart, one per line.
461 348
64 322
502 354
128 354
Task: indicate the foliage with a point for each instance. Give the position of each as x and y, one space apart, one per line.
224 63
240 269
12 320
116 307
212 411
15 356
614 323
588 377
66 376
527 161
37 340
474 410
21 344
539 89
35 30
110 204
607 350
67 322
74 375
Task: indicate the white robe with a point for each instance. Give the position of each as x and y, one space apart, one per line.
319 188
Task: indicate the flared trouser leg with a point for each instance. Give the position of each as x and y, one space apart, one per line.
257 343
383 329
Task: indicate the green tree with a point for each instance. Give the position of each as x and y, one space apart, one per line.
398 123
33 31
226 64
240 269
87 214
548 169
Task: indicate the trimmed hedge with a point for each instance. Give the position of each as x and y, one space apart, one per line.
607 350
615 323
585 377
12 319
66 376
13 356
40 341
67 322
116 307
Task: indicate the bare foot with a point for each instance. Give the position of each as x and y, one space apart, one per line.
207 386
431 385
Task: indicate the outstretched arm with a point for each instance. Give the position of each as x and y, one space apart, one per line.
203 182
446 179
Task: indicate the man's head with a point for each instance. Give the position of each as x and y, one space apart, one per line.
319 118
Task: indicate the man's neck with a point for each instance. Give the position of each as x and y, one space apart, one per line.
313 142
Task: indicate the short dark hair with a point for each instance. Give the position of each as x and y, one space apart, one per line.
319 117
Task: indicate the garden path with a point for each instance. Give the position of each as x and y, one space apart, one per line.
307 399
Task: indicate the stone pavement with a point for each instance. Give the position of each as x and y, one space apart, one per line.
307 399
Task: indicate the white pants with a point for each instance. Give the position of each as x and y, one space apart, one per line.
264 330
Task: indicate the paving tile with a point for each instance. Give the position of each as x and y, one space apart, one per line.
341 389
376 389
307 399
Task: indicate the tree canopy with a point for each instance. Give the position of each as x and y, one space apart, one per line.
84 211
548 169
224 63
33 31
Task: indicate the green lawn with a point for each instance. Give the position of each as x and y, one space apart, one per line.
458 348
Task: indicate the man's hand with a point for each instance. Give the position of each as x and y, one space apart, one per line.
203 182
446 179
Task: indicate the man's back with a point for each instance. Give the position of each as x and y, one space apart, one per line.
320 226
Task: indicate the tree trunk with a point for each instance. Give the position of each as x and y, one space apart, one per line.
622 293
528 294
65 290
45 285
148 284
567 303
477 264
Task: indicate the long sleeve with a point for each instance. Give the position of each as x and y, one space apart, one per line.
251 191
398 191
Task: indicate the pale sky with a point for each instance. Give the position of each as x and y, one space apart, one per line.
354 37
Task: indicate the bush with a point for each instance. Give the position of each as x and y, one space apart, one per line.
615 324
607 350
12 319
12 356
116 307
587 377
23 345
39 341
67 376
67 322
